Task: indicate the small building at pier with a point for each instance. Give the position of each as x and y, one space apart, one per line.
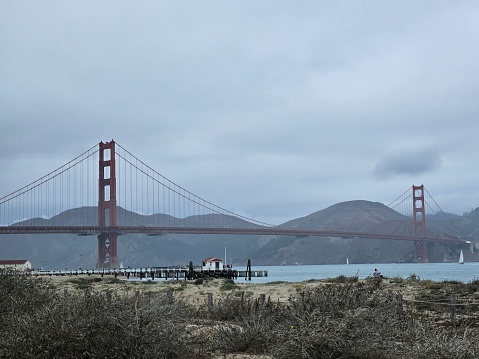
212 263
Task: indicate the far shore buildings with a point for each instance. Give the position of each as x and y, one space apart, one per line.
17 264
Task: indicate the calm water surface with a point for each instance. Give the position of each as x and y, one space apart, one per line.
434 271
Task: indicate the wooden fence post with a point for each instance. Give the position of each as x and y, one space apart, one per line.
453 309
210 301
262 298
399 308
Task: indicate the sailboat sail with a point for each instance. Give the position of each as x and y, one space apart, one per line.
461 258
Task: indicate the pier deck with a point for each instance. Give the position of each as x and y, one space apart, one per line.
186 273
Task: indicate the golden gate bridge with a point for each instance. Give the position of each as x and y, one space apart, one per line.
125 189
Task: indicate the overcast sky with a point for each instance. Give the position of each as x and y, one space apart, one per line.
272 109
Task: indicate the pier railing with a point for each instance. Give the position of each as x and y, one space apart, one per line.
152 273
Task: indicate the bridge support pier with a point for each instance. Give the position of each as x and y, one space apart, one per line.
107 249
419 224
107 242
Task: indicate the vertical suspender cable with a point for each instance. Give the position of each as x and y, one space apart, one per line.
32 204
136 187
142 189
81 192
67 193
173 202
164 206
131 194
126 200
88 187
118 190
158 203
169 204
74 190
47 198
147 198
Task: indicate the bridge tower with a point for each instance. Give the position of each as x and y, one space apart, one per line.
107 242
419 220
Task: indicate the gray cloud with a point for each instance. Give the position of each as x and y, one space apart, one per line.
410 163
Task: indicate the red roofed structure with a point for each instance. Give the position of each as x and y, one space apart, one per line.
212 263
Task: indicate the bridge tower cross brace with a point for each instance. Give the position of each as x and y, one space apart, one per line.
107 241
419 220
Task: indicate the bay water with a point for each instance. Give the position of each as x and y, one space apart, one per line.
438 272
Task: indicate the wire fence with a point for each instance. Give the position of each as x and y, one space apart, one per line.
453 311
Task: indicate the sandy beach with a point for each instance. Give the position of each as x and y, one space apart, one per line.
196 293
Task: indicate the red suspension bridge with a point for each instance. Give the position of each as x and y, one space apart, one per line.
125 190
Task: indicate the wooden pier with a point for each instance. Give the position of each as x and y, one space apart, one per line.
187 273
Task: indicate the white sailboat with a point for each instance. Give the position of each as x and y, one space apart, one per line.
347 261
461 258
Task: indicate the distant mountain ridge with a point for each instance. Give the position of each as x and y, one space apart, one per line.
346 214
70 251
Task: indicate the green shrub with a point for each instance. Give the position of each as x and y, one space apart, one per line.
228 284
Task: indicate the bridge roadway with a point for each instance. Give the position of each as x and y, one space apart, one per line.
119 230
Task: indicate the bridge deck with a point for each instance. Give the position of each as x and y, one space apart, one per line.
95 230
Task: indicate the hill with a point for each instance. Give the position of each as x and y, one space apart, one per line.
71 251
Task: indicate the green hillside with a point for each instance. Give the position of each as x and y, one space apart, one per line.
71 251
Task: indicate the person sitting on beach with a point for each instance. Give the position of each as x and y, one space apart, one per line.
376 273
413 277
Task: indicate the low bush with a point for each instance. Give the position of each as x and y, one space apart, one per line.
40 323
228 284
347 319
